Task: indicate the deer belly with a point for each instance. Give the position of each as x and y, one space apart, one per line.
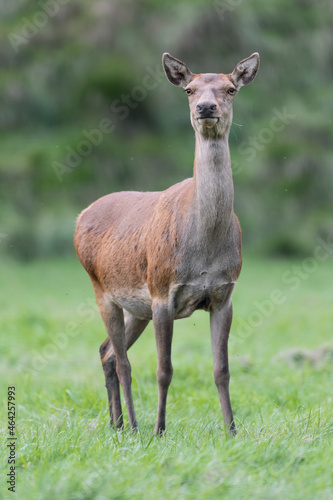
137 302
186 299
190 298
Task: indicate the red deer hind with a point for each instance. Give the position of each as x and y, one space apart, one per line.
163 255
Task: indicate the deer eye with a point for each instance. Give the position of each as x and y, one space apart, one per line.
189 91
231 91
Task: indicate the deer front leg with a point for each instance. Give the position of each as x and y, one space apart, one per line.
220 323
163 325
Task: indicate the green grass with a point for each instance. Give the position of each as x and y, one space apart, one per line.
50 335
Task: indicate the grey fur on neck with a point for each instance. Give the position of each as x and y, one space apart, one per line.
214 190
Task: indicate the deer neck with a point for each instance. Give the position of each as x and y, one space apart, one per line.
213 194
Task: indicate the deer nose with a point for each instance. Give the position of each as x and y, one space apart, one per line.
206 109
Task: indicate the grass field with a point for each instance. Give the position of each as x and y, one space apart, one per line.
281 391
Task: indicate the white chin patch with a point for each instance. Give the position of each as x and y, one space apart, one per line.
208 122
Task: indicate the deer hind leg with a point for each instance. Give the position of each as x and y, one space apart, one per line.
113 318
108 359
133 329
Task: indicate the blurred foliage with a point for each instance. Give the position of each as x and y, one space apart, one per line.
67 65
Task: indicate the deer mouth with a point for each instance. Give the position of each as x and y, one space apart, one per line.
208 121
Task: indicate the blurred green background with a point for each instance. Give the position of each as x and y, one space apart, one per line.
68 67
86 110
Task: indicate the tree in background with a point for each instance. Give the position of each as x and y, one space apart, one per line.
86 110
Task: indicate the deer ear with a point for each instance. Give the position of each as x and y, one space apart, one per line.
246 70
176 71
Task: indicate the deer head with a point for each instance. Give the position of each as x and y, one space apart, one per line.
211 94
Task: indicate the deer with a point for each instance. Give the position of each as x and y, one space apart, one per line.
161 256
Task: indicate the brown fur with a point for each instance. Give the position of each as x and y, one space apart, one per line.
162 255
